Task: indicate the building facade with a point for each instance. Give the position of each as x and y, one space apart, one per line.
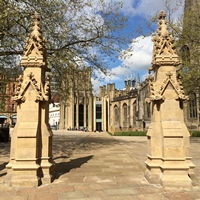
119 106
7 106
76 112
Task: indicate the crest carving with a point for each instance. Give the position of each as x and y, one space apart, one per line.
41 94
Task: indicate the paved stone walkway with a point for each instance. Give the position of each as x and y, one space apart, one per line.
97 166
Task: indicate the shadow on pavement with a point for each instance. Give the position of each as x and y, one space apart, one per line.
2 168
3 165
65 167
65 145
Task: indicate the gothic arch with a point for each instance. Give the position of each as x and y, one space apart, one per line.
125 114
116 114
185 55
192 105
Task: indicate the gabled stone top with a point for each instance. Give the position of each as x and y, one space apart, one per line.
164 64
164 51
34 50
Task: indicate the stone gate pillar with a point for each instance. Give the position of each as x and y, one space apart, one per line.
168 160
31 161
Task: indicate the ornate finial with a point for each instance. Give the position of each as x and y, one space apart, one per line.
36 34
162 15
36 16
163 43
34 50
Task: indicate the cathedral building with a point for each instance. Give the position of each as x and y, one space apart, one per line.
119 106
190 54
113 110
76 112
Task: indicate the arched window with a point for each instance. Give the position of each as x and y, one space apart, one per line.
135 113
185 55
116 111
125 109
192 105
148 110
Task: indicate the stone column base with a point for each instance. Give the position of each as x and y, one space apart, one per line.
153 175
175 174
30 182
26 176
191 166
153 172
47 173
179 181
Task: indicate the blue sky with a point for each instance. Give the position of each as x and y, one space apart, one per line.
140 61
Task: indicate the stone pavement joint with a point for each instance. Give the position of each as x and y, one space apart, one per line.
97 166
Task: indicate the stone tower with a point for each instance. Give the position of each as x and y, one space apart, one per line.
169 162
189 50
31 141
190 34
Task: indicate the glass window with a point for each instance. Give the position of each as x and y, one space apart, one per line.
192 106
98 111
116 113
125 112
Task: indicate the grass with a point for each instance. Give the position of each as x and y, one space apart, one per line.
143 133
130 133
195 133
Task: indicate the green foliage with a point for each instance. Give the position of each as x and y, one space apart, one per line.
130 133
89 30
195 133
188 45
186 32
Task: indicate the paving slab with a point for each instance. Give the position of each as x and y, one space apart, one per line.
97 166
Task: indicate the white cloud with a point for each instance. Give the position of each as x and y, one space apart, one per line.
140 50
96 84
116 74
139 54
139 59
119 71
150 7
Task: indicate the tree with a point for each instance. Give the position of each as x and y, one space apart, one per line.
83 29
186 31
189 49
